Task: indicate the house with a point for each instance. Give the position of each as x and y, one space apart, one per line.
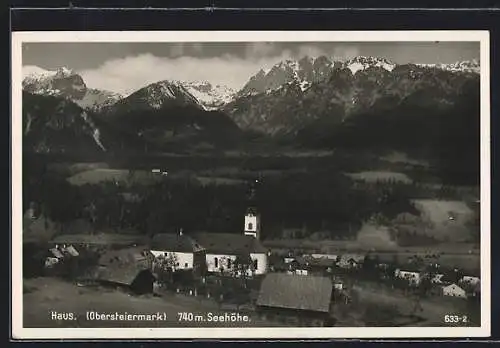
351 261
476 291
454 290
324 256
179 250
223 249
129 267
470 280
299 266
412 275
322 265
296 298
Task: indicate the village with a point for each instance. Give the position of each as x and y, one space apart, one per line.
238 272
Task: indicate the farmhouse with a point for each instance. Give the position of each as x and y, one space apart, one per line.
129 267
296 298
299 266
470 280
179 250
454 290
351 261
413 276
324 256
322 265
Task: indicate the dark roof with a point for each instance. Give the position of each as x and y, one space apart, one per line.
123 265
229 243
412 268
296 292
323 262
354 257
174 242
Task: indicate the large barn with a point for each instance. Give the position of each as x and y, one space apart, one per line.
296 299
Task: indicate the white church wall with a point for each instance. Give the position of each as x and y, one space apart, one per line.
183 260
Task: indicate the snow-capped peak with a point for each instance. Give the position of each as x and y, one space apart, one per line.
32 73
35 73
210 96
459 66
65 82
363 62
64 72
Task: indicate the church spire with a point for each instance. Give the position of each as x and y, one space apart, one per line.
252 218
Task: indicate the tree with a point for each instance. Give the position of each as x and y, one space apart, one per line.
243 265
165 266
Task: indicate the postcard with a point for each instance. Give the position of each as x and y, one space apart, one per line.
250 185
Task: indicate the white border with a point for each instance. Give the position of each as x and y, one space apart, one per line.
18 332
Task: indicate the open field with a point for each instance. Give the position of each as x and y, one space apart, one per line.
45 295
99 175
70 169
207 180
433 309
374 176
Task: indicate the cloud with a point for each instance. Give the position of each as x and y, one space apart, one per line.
256 50
131 73
127 75
342 52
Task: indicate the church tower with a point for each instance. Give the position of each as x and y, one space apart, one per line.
252 218
252 223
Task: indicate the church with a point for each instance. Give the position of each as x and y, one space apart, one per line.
226 251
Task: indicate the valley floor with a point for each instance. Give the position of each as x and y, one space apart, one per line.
44 295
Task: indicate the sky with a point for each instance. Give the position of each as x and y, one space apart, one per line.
126 67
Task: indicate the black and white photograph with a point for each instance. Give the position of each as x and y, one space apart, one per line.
266 184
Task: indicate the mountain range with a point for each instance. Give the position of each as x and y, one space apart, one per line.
364 102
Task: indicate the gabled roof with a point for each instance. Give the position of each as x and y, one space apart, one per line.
123 265
229 243
411 268
323 262
174 242
137 254
453 285
355 257
296 292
